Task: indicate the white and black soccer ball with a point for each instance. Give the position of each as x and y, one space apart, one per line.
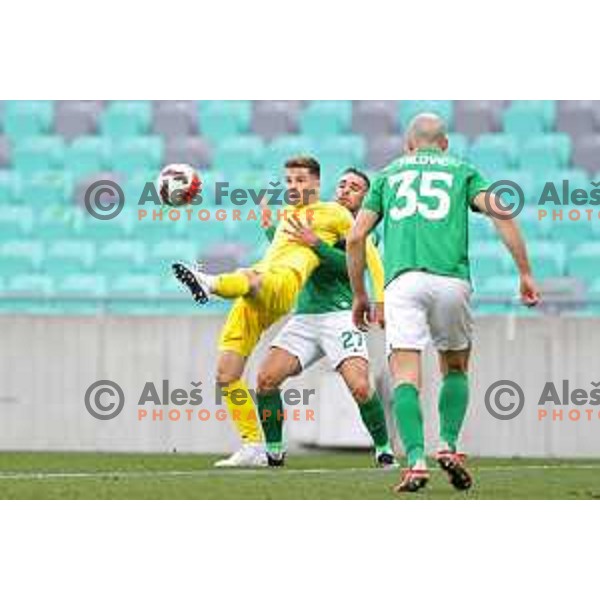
178 185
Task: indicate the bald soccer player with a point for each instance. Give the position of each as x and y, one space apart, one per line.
423 198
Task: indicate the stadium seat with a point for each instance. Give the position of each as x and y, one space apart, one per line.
547 108
488 258
576 117
545 152
15 220
87 155
175 118
525 120
137 153
133 294
458 145
19 256
326 117
9 188
493 152
68 256
126 118
382 150
168 251
547 258
586 152
272 119
480 228
342 151
104 232
58 222
48 188
374 117
220 120
31 292
5 152
76 118
475 117
38 153
80 293
241 153
407 109
572 232
191 150
23 118
112 255
584 260
282 148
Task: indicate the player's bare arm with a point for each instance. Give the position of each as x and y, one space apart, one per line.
509 231
356 257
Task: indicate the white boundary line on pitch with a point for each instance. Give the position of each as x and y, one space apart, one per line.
26 475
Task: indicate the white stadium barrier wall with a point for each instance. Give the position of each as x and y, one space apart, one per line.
47 364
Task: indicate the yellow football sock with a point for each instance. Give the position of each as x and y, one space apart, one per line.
231 285
242 412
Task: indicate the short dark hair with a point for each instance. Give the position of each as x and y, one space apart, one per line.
304 162
360 174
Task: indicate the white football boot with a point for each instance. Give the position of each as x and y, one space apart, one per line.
250 456
197 282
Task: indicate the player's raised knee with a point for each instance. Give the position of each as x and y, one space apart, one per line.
266 382
361 391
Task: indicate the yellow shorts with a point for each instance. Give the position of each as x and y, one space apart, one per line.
250 317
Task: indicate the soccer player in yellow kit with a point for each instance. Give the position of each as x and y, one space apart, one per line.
263 294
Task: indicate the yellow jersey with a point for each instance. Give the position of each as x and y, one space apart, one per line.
330 221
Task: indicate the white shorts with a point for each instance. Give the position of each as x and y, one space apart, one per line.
421 306
313 336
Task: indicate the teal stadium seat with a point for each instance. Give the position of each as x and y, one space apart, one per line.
126 118
87 155
19 256
29 293
551 151
523 178
532 226
480 228
547 258
103 232
143 153
68 256
15 220
46 188
220 120
525 119
326 117
80 293
407 109
284 147
163 254
488 258
40 153
240 153
547 108
112 257
27 118
134 294
58 222
342 151
10 188
584 260
458 145
493 152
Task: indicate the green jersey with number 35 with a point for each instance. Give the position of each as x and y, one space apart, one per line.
424 200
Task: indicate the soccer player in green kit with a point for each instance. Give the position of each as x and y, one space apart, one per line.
423 198
322 326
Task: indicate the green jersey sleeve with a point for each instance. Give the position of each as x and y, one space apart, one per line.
476 183
374 199
333 260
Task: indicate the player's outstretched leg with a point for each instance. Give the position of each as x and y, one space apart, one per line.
202 285
453 402
405 369
278 365
355 372
242 413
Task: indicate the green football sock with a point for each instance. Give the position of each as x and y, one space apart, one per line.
409 422
373 417
270 409
454 397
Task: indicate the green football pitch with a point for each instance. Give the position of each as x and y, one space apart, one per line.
322 475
